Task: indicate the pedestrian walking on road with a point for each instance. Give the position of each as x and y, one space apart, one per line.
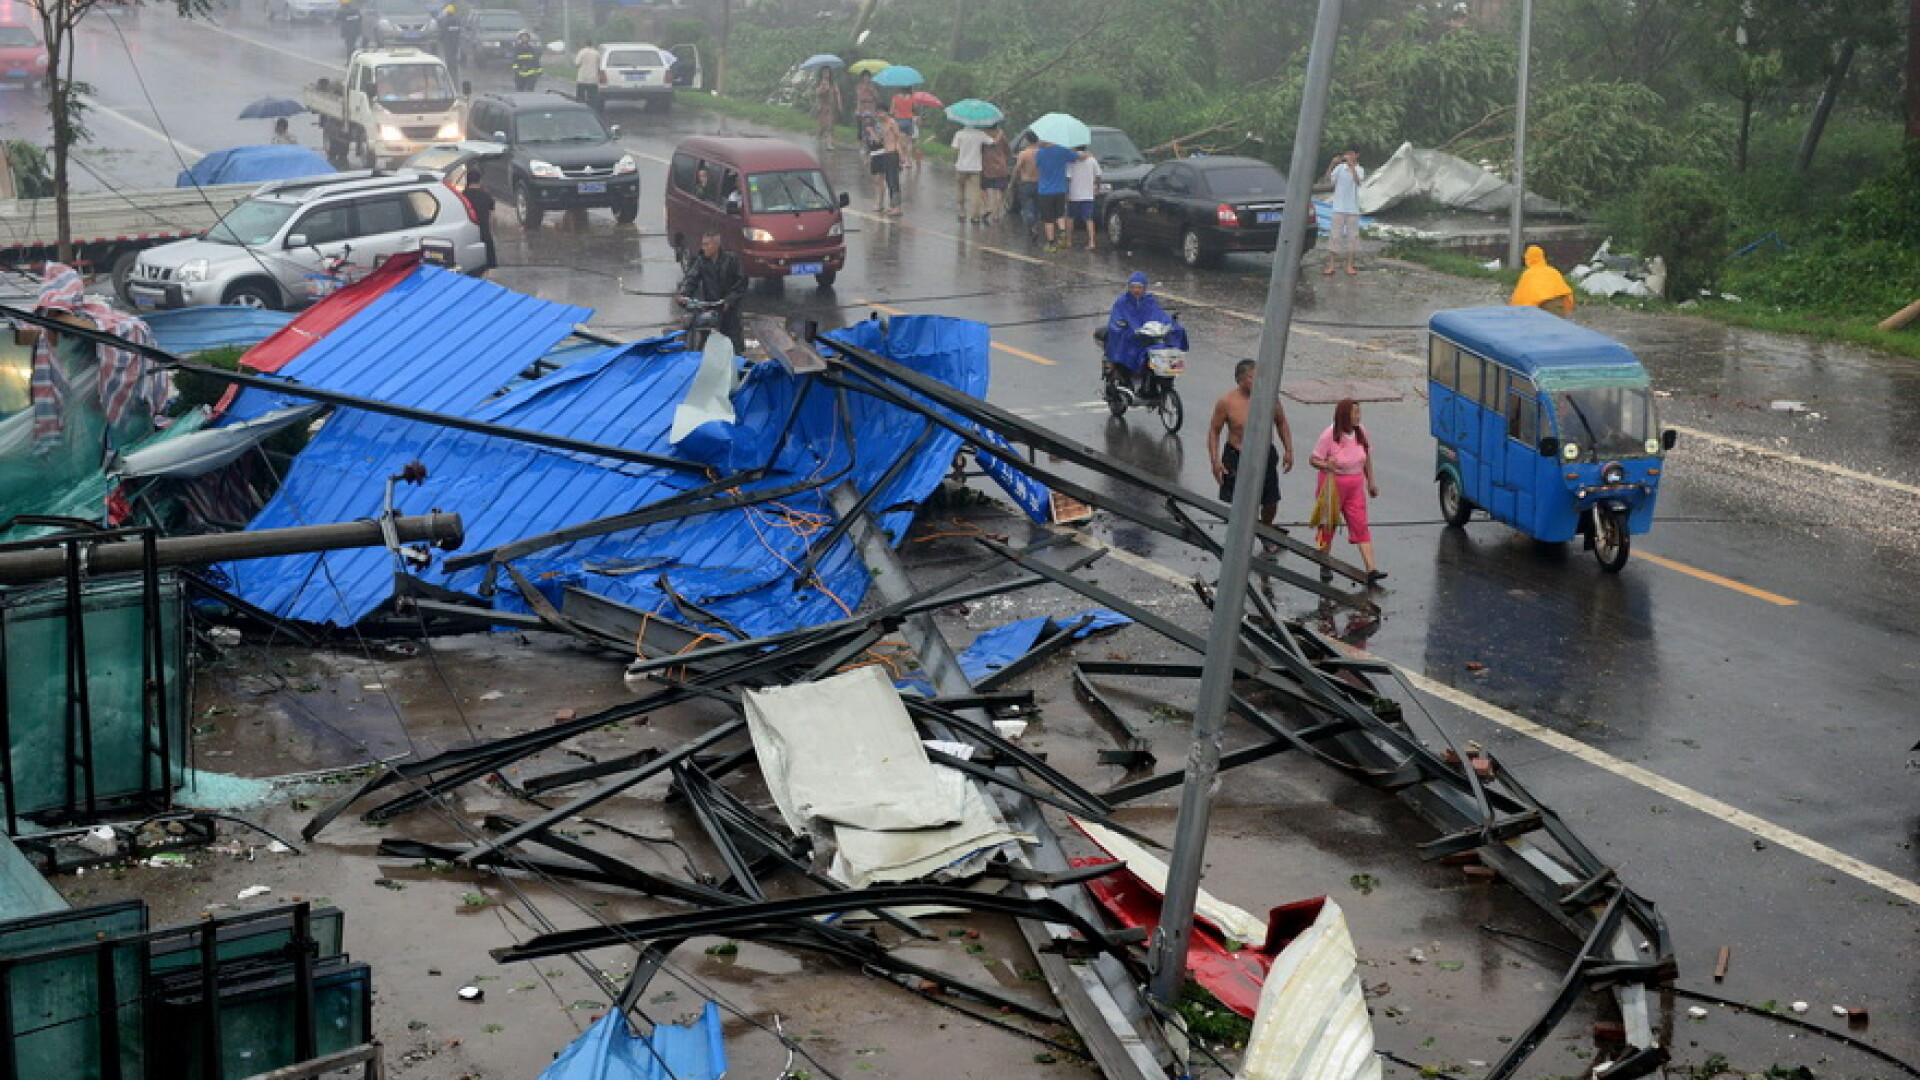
881 140
526 62
483 204
1230 415
1051 163
587 75
449 21
969 146
1026 188
826 107
1542 286
350 18
866 96
1346 175
996 167
901 110
1345 460
281 136
1083 182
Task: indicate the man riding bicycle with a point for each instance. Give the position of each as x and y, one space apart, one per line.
714 276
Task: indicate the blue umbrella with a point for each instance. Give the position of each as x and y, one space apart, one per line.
898 75
975 113
1061 129
268 108
820 60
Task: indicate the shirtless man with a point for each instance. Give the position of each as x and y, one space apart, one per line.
1230 412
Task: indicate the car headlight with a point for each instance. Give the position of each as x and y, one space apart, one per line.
389 133
757 236
1653 446
835 230
384 26
1570 451
451 131
193 270
544 170
625 165
1613 473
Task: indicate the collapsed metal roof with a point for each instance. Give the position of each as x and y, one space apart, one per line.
729 566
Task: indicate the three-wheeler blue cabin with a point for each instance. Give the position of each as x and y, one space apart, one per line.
1546 425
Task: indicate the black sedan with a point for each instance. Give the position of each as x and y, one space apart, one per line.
1202 207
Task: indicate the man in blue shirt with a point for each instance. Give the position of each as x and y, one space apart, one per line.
1052 162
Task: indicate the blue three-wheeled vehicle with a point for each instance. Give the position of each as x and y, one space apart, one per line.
1546 425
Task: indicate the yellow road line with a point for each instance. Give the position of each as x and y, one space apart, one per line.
1723 582
1021 353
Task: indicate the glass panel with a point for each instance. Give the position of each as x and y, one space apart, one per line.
1606 422
798 189
1443 362
1523 415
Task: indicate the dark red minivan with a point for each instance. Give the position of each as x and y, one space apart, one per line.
768 199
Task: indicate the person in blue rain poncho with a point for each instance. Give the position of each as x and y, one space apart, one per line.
1135 308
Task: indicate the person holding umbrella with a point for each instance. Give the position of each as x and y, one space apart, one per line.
968 164
996 172
281 136
826 105
866 96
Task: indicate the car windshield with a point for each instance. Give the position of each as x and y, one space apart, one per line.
560 125
16 36
254 221
499 20
413 83
793 190
1606 422
636 58
1114 148
412 9
1244 181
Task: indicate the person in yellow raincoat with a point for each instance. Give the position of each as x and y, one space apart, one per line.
1542 286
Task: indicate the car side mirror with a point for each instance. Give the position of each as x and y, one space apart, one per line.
1668 438
1549 446
297 240
844 200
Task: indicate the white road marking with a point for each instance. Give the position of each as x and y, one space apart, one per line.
1806 463
1699 801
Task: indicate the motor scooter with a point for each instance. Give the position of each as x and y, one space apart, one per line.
703 318
1152 388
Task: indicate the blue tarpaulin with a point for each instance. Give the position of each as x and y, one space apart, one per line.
254 164
1002 645
609 1051
740 565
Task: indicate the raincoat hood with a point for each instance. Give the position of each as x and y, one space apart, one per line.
1539 283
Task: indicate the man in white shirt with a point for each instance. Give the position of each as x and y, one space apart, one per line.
1346 175
586 74
967 166
1083 183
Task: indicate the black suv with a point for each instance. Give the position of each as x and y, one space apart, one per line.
559 156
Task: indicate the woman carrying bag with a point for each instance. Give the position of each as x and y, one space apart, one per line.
1344 459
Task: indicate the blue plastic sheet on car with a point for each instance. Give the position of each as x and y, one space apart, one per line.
610 1051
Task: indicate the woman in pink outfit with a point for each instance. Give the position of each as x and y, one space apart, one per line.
1345 460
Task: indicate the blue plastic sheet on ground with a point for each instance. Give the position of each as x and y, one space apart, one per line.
996 648
739 565
609 1051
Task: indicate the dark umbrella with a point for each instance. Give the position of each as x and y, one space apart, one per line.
268 108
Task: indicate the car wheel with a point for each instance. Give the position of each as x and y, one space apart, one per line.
123 265
1193 250
625 215
251 294
525 208
1116 232
826 278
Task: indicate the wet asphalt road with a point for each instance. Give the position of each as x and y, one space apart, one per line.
1727 720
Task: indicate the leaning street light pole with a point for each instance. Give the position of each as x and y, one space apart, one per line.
1516 213
1256 449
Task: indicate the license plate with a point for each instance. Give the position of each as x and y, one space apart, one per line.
807 268
142 300
1267 217
593 187
16 73
636 76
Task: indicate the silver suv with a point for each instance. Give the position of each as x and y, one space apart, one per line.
287 242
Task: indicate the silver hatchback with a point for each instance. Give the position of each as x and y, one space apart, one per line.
292 241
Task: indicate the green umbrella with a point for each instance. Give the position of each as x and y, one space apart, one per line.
868 67
973 112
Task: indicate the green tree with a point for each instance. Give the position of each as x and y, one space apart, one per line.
66 97
1683 219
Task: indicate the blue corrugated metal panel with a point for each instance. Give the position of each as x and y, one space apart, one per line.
436 340
739 564
189 330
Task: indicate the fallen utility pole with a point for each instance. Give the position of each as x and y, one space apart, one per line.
20 567
1256 449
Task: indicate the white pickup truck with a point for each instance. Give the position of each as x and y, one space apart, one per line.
390 103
